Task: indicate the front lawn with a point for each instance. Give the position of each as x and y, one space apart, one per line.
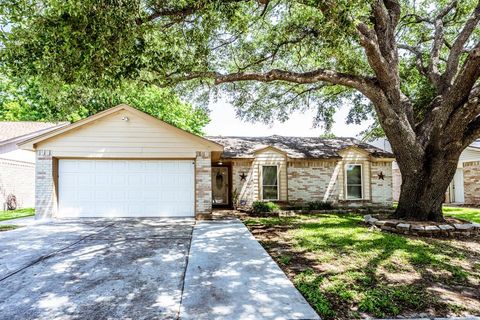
14 214
470 214
346 270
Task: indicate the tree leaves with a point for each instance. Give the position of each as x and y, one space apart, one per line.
103 43
31 101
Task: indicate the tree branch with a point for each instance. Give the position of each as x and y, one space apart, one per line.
169 12
418 57
466 79
386 14
368 40
472 133
438 41
457 47
459 106
277 48
363 84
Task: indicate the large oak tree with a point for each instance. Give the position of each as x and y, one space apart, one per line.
415 64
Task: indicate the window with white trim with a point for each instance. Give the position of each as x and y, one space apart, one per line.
269 182
354 181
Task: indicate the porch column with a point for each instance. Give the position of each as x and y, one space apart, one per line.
203 185
45 198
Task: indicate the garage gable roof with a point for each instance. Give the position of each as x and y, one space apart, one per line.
31 143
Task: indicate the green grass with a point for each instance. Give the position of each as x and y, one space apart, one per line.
14 214
8 227
470 214
346 269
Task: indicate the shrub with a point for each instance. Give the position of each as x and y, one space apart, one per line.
319 205
11 202
260 206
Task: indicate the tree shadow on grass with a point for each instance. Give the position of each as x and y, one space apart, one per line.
363 254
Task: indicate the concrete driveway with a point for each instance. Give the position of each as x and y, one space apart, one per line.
142 269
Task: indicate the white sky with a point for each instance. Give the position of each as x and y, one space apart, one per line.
223 122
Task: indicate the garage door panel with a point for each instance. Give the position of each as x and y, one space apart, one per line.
103 166
81 166
126 188
83 195
84 179
70 180
119 165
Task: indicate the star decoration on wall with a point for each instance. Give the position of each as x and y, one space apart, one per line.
243 176
381 176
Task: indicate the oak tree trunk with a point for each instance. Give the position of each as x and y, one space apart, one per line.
424 186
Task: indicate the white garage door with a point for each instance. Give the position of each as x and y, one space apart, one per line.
126 188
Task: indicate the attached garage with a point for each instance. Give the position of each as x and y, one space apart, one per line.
126 188
122 163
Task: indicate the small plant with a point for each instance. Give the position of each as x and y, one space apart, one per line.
285 259
260 206
235 198
319 205
11 202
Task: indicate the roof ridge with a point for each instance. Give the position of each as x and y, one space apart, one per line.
295 147
277 135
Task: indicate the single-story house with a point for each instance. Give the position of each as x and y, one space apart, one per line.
124 163
465 186
17 167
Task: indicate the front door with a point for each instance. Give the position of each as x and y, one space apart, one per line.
220 183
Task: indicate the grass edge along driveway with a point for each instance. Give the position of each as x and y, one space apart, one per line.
15 214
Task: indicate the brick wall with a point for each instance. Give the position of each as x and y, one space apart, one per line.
313 181
381 189
45 198
471 180
17 178
203 184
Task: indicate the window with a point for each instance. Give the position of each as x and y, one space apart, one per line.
269 183
354 181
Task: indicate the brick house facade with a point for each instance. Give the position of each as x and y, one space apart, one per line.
124 163
308 169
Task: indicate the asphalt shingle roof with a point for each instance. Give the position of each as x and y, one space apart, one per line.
295 147
13 129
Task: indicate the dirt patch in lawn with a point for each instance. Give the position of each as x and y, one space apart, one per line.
347 271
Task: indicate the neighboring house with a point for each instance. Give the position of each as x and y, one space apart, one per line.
17 167
465 186
124 163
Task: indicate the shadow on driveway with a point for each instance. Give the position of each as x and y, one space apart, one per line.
94 269
138 269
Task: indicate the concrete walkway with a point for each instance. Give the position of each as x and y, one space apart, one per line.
230 276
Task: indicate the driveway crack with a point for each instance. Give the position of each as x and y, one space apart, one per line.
185 271
53 253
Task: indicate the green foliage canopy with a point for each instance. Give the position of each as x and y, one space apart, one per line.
92 42
29 100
